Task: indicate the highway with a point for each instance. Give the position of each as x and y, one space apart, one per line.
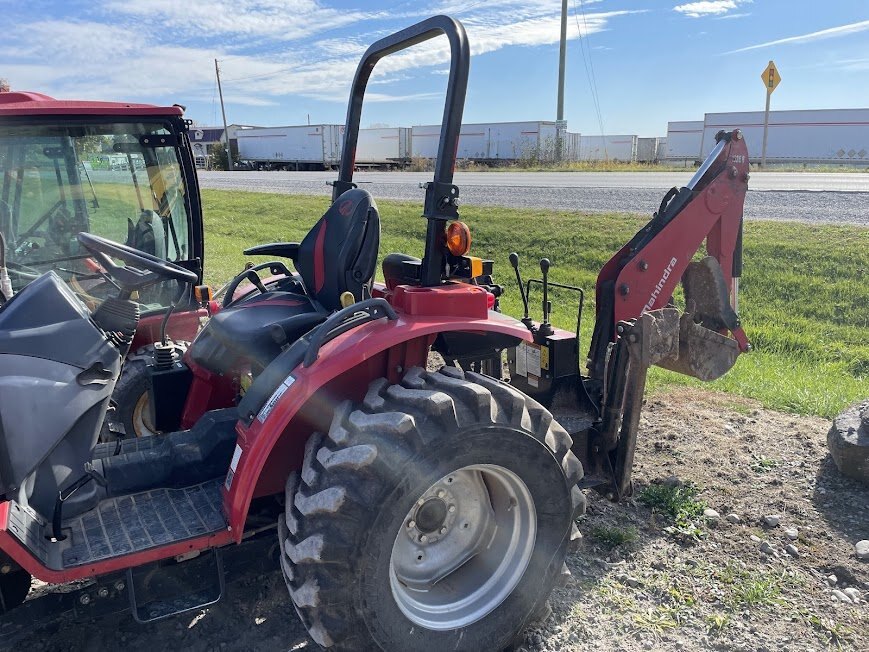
837 198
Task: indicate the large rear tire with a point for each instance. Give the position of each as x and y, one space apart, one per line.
434 515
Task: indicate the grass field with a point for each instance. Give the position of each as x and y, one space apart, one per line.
804 298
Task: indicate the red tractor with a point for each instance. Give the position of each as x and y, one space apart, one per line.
415 507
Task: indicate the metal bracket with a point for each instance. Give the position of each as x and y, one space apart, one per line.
441 201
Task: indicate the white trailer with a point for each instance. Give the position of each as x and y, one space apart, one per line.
304 147
684 140
572 143
608 148
491 141
806 136
647 149
383 146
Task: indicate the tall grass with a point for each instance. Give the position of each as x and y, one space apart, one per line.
804 294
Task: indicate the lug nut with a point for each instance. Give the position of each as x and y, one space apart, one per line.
443 530
411 524
120 586
423 538
441 493
452 508
5 569
103 592
85 599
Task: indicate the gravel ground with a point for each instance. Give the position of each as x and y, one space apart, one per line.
824 199
637 584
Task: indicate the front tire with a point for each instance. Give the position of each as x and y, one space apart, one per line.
436 513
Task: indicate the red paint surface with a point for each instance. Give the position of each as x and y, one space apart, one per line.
320 258
25 103
279 441
182 326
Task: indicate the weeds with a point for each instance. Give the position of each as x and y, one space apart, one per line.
613 537
835 633
716 622
763 464
679 502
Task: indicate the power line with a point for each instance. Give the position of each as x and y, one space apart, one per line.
589 67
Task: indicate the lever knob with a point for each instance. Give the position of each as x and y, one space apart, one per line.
514 260
545 265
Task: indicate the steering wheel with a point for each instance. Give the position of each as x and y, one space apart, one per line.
132 276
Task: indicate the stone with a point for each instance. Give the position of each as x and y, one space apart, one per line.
633 582
861 549
673 481
791 549
848 441
854 594
711 515
755 538
792 533
766 548
734 518
832 580
771 520
841 596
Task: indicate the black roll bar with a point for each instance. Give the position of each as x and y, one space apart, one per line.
441 196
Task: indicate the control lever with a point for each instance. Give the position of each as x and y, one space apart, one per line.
514 261
256 282
546 327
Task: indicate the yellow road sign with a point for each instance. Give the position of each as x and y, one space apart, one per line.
770 77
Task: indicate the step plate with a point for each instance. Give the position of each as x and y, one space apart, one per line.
120 526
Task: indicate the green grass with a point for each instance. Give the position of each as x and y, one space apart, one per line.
803 302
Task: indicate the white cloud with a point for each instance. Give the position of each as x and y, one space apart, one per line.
708 7
832 32
102 57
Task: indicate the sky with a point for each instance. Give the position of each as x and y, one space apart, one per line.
632 65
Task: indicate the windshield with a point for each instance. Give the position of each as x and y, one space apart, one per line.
106 178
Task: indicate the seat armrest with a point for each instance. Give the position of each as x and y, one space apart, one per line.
283 249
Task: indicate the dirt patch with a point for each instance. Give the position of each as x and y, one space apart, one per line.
640 582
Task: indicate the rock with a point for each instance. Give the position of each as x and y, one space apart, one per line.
848 441
755 538
673 481
711 515
734 518
771 520
832 580
861 549
659 565
766 548
841 596
792 533
854 594
791 549
633 582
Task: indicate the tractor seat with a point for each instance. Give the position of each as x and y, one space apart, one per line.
338 255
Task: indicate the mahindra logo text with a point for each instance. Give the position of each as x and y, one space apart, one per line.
660 285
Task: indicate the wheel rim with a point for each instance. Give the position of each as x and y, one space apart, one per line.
142 426
463 547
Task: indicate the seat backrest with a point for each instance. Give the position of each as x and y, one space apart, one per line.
340 253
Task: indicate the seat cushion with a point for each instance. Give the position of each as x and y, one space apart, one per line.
245 332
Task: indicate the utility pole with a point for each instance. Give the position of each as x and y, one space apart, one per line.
771 80
562 55
223 111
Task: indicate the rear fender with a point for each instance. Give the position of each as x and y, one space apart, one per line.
272 444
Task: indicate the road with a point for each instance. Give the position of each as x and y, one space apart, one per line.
837 198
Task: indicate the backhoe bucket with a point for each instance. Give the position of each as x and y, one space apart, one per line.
703 353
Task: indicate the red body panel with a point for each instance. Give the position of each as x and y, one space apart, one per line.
272 448
29 104
182 326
